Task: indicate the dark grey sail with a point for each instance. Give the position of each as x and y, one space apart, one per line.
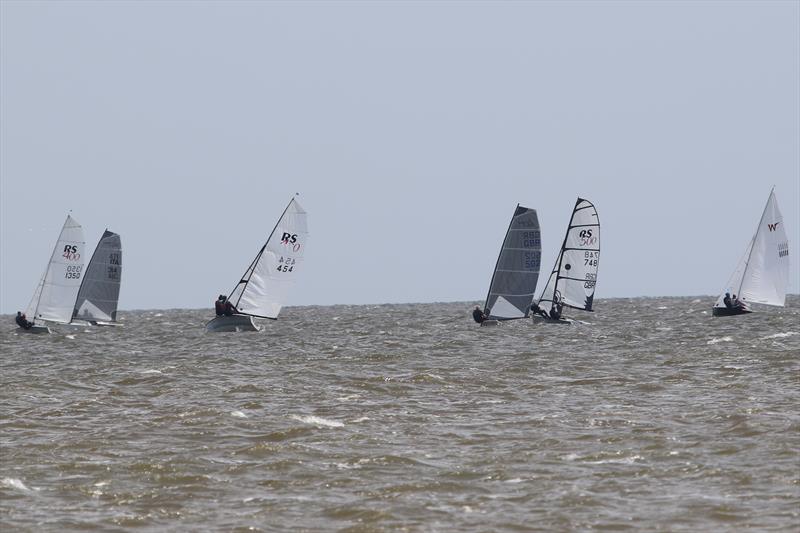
515 275
99 292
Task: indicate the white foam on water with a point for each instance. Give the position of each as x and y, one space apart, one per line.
318 421
151 371
717 340
238 414
14 483
361 419
70 337
662 307
780 335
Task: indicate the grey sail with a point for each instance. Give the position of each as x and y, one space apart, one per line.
99 292
513 284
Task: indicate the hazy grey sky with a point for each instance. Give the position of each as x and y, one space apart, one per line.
411 130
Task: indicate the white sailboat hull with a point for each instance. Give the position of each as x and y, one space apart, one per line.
233 323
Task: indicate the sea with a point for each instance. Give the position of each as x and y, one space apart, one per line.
645 415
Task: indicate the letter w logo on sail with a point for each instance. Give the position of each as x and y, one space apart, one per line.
773 227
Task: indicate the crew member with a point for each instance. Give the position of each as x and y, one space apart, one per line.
478 315
555 311
230 309
219 305
538 310
727 300
22 321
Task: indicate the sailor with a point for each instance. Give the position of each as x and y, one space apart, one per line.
555 311
727 300
738 304
22 321
538 310
230 309
478 315
219 305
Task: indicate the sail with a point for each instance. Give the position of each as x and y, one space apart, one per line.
735 282
265 285
63 276
764 274
574 276
513 284
99 292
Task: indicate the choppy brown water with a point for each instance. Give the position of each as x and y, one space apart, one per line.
651 416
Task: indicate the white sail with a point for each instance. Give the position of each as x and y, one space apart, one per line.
763 275
516 273
99 293
265 285
574 276
61 282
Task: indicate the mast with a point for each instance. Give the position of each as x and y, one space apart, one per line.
494 272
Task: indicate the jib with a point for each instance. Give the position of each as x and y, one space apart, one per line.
70 249
289 238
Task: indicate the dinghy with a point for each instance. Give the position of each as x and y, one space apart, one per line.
572 282
516 272
263 288
54 298
762 275
99 293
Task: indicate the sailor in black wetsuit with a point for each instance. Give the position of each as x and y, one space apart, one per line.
219 305
538 310
22 321
478 315
230 309
727 300
555 311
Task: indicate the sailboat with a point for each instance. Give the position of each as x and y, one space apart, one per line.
264 286
762 274
516 272
98 296
572 282
54 298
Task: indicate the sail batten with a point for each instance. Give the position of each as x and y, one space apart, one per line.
516 272
574 277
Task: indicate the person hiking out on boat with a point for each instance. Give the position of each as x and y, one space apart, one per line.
230 309
538 310
738 304
219 305
555 311
22 321
478 315
727 300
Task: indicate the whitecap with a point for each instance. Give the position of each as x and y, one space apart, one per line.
70 337
780 335
238 414
318 421
717 340
151 371
13 483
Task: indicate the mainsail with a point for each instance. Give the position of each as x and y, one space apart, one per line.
513 284
99 292
265 284
762 274
59 286
574 275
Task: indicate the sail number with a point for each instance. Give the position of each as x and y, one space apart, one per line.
531 239
286 265
590 258
73 272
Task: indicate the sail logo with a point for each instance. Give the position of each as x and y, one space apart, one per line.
290 239
71 253
586 238
773 227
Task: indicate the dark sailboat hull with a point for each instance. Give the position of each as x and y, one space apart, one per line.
233 323
725 311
